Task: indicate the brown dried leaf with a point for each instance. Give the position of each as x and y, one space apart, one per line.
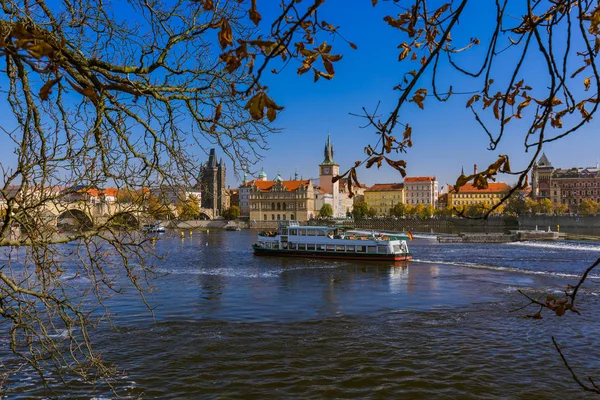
225 35
47 88
587 82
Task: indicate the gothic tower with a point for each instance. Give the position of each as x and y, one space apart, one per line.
540 178
212 184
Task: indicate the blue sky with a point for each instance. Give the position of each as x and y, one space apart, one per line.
445 135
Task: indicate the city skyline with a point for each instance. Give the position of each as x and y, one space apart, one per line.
446 136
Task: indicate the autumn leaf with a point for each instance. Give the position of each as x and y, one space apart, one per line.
47 88
254 15
218 112
403 54
225 35
353 46
587 82
473 99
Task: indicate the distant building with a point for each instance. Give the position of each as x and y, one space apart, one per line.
383 196
470 195
421 190
571 186
211 182
541 174
278 200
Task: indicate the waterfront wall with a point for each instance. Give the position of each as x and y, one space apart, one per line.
589 223
438 224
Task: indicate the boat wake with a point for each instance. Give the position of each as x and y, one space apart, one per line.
506 269
575 246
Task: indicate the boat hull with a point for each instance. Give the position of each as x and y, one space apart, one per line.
261 251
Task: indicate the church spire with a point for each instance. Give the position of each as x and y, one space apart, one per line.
328 152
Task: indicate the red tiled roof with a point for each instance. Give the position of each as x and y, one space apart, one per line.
385 187
419 179
493 187
289 185
110 192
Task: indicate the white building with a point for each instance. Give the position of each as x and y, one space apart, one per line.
421 190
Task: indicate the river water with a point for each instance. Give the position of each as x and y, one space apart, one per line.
231 325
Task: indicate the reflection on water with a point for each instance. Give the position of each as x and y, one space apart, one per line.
228 324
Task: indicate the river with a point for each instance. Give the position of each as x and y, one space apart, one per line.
227 324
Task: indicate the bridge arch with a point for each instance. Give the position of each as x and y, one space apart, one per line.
74 219
125 219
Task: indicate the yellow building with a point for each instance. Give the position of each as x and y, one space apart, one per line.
383 196
470 195
281 200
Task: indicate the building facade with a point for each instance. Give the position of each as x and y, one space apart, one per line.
278 200
383 196
211 182
470 195
421 190
571 186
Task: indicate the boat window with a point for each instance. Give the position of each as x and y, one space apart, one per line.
350 248
292 246
293 232
361 249
330 247
382 249
321 247
397 248
276 245
339 247
284 231
301 246
311 232
310 247
371 249
320 233
268 245
301 232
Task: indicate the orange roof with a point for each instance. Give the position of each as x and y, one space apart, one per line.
110 192
492 188
385 187
419 179
289 185
92 192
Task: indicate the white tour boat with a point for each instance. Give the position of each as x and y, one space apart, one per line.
294 240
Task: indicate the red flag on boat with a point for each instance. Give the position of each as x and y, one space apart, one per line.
410 235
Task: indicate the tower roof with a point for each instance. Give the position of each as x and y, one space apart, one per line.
328 152
262 175
212 159
543 161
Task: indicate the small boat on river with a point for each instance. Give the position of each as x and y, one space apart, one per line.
153 228
294 240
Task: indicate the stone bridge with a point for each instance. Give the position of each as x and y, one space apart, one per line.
82 213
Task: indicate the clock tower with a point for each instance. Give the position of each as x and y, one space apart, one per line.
327 170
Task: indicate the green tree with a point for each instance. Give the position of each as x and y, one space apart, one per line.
560 209
231 213
189 209
588 207
399 210
371 212
326 211
360 210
